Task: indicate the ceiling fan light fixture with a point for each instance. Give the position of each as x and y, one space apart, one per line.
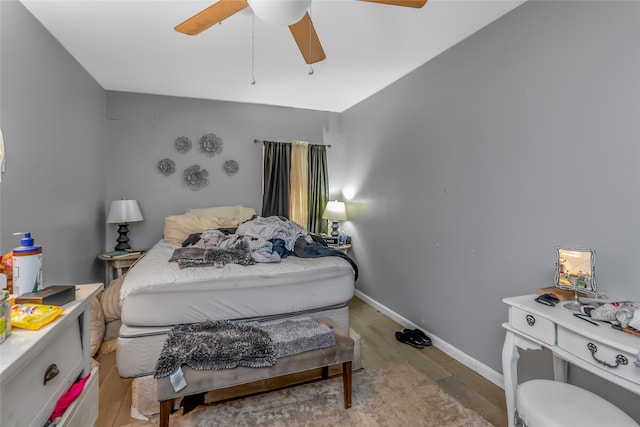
280 12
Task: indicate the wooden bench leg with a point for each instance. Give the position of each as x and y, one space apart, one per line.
346 383
165 409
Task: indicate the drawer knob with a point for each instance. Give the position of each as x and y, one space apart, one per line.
51 372
531 320
620 359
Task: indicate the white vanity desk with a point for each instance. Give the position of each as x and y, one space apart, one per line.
601 350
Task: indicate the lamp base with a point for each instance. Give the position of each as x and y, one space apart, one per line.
123 240
334 229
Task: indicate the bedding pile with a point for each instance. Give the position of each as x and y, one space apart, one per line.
273 227
260 239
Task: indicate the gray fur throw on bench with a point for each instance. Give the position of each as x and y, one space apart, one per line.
293 336
224 345
215 345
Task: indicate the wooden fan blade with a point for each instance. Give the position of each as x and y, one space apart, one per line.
210 16
307 40
407 3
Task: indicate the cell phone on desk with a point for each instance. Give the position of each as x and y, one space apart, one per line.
548 299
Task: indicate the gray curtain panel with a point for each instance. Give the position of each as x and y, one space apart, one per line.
318 188
276 167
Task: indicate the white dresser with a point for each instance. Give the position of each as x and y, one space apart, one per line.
599 349
59 350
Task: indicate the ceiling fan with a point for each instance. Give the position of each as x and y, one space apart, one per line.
293 13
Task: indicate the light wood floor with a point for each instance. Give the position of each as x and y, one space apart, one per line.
379 349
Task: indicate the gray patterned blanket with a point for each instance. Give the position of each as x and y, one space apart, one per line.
215 345
225 345
214 256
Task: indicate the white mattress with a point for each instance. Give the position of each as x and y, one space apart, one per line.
156 292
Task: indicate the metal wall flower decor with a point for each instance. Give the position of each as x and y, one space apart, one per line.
182 144
210 144
166 167
231 167
195 178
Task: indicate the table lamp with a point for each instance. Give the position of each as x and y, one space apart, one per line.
123 212
334 212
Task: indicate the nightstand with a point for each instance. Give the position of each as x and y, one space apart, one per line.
343 248
120 265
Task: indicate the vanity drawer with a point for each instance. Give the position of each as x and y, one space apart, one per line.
26 397
611 359
535 326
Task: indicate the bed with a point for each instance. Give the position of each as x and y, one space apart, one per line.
157 294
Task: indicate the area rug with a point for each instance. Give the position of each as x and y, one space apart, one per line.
399 396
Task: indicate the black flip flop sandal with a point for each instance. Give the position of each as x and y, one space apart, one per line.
421 336
409 339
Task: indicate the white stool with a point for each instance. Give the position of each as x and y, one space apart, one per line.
546 403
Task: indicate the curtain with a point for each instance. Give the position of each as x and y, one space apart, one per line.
275 178
295 182
299 188
318 188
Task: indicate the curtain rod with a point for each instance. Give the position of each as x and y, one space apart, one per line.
257 141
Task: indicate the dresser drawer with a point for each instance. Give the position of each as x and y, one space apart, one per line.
613 360
26 397
533 325
83 412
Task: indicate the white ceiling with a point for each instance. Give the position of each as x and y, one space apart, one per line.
130 45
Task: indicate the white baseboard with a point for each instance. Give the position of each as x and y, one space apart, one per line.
468 361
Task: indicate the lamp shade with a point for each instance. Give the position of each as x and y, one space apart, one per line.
124 212
335 211
280 12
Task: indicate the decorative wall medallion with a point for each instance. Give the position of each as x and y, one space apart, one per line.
210 144
231 167
166 167
182 144
194 178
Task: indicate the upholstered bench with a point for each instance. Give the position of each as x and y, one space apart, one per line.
216 379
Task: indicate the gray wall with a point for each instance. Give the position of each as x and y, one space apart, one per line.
472 169
141 130
52 115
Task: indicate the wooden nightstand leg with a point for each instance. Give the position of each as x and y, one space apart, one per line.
109 271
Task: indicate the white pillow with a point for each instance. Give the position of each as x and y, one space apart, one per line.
241 213
178 227
96 326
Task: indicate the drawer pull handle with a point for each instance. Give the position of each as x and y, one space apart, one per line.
620 359
51 373
531 320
